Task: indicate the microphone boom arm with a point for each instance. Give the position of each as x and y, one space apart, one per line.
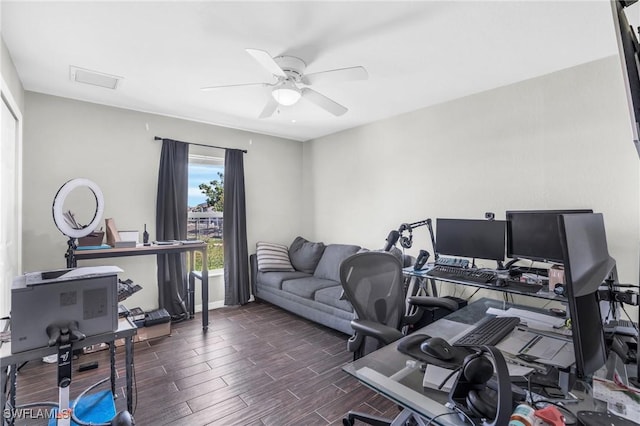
407 241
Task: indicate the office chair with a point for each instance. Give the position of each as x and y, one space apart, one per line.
373 284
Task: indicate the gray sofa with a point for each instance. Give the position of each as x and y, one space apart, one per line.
312 287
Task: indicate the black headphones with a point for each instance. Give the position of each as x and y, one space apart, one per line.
472 396
406 242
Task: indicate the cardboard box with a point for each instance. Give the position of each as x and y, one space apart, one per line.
93 239
155 331
556 276
148 333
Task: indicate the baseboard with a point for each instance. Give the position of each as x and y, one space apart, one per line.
212 305
217 304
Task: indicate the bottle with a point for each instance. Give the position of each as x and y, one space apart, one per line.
145 236
523 415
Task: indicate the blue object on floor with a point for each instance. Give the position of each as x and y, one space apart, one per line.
96 407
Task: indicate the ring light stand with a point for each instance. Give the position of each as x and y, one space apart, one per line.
63 335
58 213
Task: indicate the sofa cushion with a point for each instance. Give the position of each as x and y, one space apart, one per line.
273 257
329 265
306 287
305 254
275 279
331 296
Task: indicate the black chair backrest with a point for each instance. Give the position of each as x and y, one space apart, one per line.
373 283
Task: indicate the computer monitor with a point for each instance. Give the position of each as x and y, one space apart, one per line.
628 51
587 264
534 235
474 238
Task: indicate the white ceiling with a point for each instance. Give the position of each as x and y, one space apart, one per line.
417 53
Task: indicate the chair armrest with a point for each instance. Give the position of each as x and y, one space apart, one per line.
433 302
380 332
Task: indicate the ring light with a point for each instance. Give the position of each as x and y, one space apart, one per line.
58 203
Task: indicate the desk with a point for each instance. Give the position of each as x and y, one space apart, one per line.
72 262
423 275
126 330
386 371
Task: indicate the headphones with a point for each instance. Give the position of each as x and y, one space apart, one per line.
472 396
406 242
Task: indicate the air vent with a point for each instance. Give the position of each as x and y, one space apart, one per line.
94 78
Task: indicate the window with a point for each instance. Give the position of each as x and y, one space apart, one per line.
205 206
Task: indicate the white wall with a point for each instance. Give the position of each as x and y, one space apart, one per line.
64 139
557 141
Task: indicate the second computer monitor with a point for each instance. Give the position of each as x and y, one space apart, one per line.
587 264
534 234
473 238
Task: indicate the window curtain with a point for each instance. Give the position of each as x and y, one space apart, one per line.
171 224
236 256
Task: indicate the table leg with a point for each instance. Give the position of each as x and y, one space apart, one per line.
128 357
3 397
112 359
205 298
13 383
191 295
205 290
434 290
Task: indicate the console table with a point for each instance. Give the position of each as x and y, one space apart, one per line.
192 248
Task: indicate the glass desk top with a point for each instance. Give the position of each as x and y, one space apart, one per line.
543 293
386 370
399 377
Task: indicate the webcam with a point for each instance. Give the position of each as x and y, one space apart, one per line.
489 215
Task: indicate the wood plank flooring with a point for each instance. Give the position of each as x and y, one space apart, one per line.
256 365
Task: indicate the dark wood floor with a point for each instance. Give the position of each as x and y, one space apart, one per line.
256 365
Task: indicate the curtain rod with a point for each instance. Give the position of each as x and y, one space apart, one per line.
158 138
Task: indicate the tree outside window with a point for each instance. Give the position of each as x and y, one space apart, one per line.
206 205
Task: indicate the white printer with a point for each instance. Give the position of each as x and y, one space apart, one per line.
87 295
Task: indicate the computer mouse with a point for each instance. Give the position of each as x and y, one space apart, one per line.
438 348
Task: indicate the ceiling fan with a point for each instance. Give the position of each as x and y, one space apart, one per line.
289 74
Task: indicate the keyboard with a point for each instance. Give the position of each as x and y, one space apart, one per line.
523 287
624 327
489 332
461 274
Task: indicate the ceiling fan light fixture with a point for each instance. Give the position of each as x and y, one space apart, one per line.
286 94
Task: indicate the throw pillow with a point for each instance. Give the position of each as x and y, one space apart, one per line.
273 257
305 254
329 265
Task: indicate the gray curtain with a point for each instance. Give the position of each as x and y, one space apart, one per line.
236 256
171 224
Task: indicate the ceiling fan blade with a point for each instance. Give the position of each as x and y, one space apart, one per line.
232 85
342 74
269 108
323 102
266 61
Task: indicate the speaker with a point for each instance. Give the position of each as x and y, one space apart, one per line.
471 395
